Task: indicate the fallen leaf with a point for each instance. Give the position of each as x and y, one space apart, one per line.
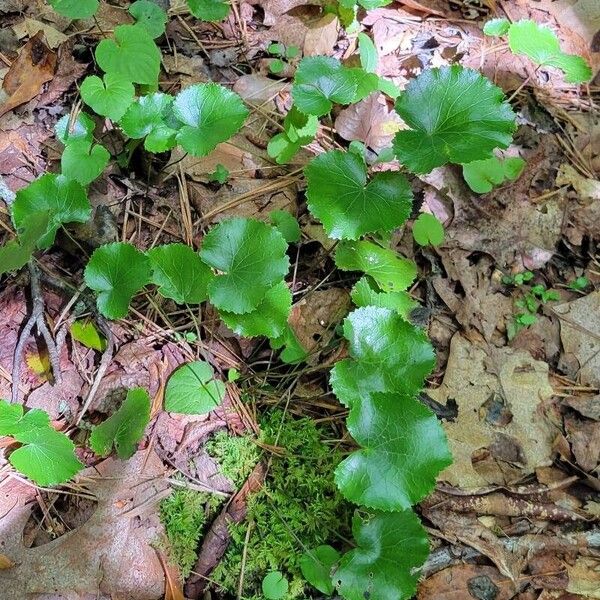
585 442
34 66
29 28
584 577
322 36
173 587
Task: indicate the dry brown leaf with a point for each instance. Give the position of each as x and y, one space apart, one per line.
584 577
322 36
29 27
35 65
173 586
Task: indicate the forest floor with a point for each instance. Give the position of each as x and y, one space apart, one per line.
516 514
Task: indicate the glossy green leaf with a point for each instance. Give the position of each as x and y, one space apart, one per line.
388 355
125 428
392 273
317 567
148 117
192 390
16 254
150 16
365 293
209 10
288 226
109 97
86 333
347 203
62 199
269 318
483 175
391 548
116 272
68 129
541 45
368 53
275 586
83 161
496 27
132 55
13 419
404 448
454 115
210 114
292 351
250 257
75 9
428 230
180 273
320 82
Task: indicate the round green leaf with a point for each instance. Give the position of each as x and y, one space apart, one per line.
75 9
83 161
191 390
109 97
147 117
320 82
496 27
287 225
80 128
428 230
180 273
317 566
391 547
210 114
132 55
348 206
150 16
455 115
64 200
209 10
275 586
404 448
392 273
117 272
482 175
250 257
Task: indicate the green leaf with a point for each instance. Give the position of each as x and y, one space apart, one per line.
210 114
364 294
287 225
75 9
117 272
428 230
110 96
150 16
366 83
276 49
541 45
403 449
83 161
392 273
80 128
293 352
132 55
16 254
368 53
320 82
147 118
180 273
220 174
269 318
209 10
391 546
388 355
125 428
348 205
275 586
250 257
496 27
86 333
317 567
46 456
482 175
299 129
276 65
455 115
62 199
191 390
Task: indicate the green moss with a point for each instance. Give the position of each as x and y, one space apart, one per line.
236 456
298 508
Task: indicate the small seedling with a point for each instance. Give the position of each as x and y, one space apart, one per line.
579 284
283 55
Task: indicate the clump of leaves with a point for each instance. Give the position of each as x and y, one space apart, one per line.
283 54
483 175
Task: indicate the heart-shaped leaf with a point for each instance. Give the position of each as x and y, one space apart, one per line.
75 9
69 129
482 175
428 230
150 16
116 271
148 117
109 97
62 199
250 257
348 205
275 586
180 273
83 161
210 114
391 546
404 448
455 115
132 55
317 566
209 10
192 390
